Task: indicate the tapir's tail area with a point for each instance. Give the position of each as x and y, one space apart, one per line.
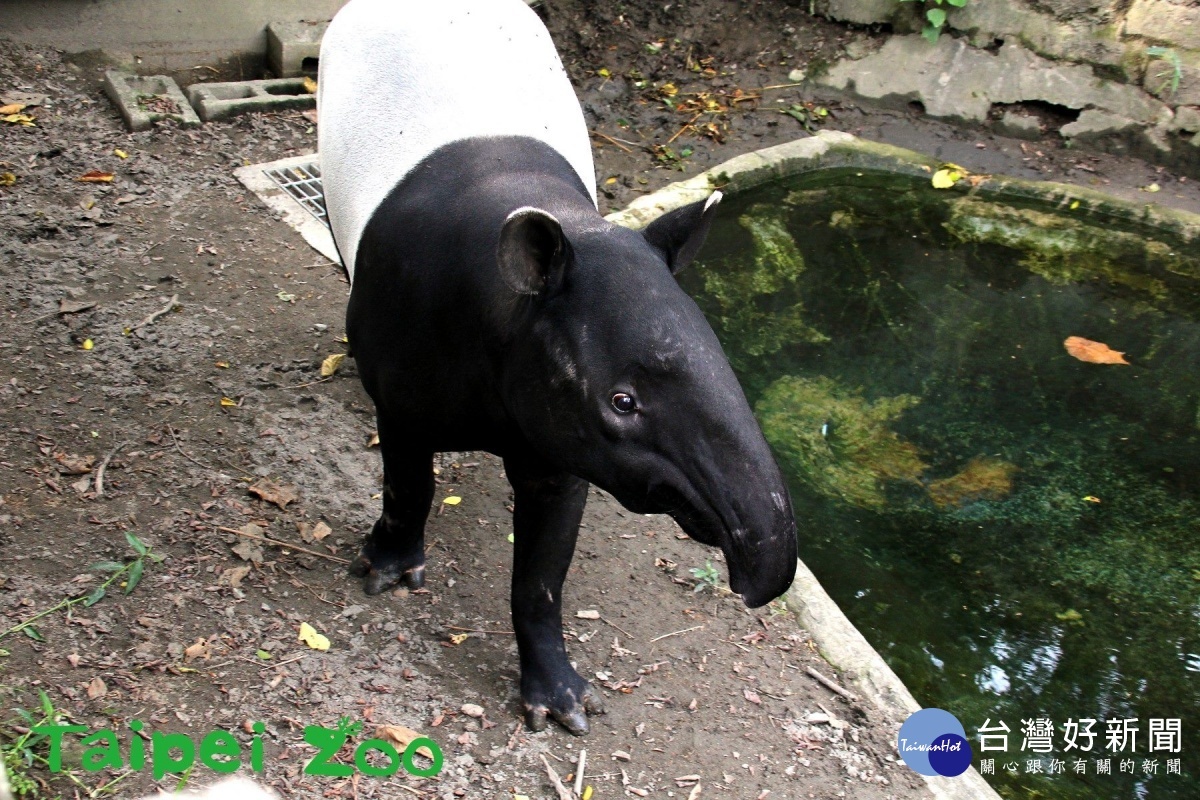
400 78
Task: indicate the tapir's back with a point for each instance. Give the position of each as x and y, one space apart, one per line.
401 78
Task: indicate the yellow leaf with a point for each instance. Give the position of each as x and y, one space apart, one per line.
309 635
119 153
603 73
331 363
668 90
587 792
452 500
1074 205
7 179
945 178
1092 499
228 402
458 638
88 344
1154 187
95 176
222 365
610 181
12 108
19 119
310 85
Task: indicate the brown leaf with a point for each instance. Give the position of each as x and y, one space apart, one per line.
12 108
71 464
96 688
752 696
279 494
235 575
197 650
320 531
249 551
401 736
96 176
1093 352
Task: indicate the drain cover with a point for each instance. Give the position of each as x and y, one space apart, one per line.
292 187
302 182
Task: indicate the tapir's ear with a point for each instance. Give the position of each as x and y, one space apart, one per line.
532 252
678 234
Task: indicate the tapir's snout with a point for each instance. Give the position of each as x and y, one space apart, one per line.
762 555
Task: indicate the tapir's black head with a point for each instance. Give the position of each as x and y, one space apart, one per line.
618 378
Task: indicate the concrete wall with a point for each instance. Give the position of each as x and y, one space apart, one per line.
157 34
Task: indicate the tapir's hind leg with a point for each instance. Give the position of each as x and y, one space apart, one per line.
394 551
548 507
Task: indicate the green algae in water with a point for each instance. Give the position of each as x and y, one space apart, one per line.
1015 531
835 441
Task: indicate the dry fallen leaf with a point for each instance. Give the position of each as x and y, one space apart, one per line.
279 494
1093 352
12 108
309 635
752 696
71 464
96 176
197 650
310 85
459 638
373 441
452 500
7 179
66 306
402 737
320 531
331 363
249 551
97 688
588 614
234 576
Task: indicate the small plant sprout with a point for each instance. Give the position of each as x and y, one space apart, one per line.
1172 75
707 577
126 575
935 16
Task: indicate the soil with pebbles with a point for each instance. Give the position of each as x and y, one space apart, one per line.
188 409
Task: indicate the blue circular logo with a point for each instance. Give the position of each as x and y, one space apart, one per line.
934 742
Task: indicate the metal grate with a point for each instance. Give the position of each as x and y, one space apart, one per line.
303 184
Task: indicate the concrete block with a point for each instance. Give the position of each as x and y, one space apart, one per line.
223 100
146 99
294 47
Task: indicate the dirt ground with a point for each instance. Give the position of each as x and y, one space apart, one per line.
177 415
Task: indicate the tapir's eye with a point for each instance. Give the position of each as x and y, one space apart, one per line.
624 403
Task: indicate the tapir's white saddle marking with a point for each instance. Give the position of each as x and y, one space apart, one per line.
400 78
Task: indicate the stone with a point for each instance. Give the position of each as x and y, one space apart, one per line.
223 100
146 99
861 12
1164 21
293 48
1019 126
1187 118
1094 124
954 80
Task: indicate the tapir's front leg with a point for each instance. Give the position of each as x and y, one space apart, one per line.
394 551
548 507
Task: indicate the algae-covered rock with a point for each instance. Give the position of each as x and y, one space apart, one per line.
836 441
1064 250
755 298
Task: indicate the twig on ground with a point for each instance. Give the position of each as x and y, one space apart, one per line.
831 686
611 140
286 545
563 792
477 630
676 633
104 466
174 301
171 430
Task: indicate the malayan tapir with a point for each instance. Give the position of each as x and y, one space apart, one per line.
493 308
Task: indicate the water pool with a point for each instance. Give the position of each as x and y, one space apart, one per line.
1013 528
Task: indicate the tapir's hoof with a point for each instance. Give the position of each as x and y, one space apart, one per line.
377 580
571 713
